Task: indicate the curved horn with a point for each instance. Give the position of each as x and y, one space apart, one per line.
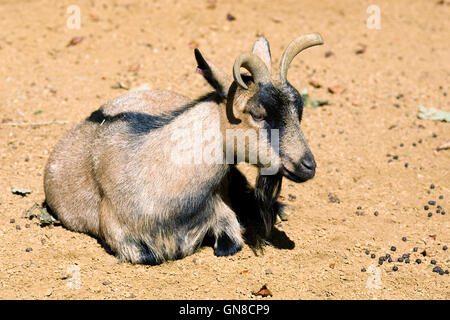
254 65
294 48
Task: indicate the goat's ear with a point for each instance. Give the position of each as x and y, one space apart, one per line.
261 48
220 81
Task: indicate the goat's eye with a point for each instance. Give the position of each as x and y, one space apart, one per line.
257 116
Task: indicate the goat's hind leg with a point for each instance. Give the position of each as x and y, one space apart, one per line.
120 240
226 230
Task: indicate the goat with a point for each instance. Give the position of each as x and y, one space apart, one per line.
111 175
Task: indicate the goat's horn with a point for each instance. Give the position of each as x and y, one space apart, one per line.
294 48
254 65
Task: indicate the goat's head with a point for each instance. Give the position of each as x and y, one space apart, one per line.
257 102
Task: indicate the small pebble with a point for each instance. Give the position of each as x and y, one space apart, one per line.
429 214
29 249
432 186
404 239
415 249
433 261
441 197
367 252
444 248
18 227
414 144
363 270
27 225
372 256
395 157
406 165
375 213
12 220
436 269
406 260
418 261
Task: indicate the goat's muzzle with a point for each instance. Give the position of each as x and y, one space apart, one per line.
302 171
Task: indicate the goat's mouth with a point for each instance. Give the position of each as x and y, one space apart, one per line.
300 176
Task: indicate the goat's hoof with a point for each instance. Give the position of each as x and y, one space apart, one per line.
225 246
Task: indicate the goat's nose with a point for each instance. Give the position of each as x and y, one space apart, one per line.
308 162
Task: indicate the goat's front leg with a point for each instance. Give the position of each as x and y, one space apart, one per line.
226 230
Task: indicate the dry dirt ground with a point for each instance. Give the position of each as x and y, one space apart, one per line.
405 63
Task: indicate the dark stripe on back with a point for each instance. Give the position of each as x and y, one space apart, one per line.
142 123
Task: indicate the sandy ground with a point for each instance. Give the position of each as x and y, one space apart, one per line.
405 63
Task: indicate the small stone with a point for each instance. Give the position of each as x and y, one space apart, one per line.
432 186
20 191
393 248
415 249
363 270
372 256
18 227
29 249
395 268
433 261
441 197
230 17
367 252
404 239
375 213
12 220
406 260
418 261
429 214
27 225
431 203
444 248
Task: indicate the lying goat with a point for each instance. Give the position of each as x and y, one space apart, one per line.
116 175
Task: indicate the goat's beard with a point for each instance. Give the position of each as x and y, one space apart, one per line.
267 190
